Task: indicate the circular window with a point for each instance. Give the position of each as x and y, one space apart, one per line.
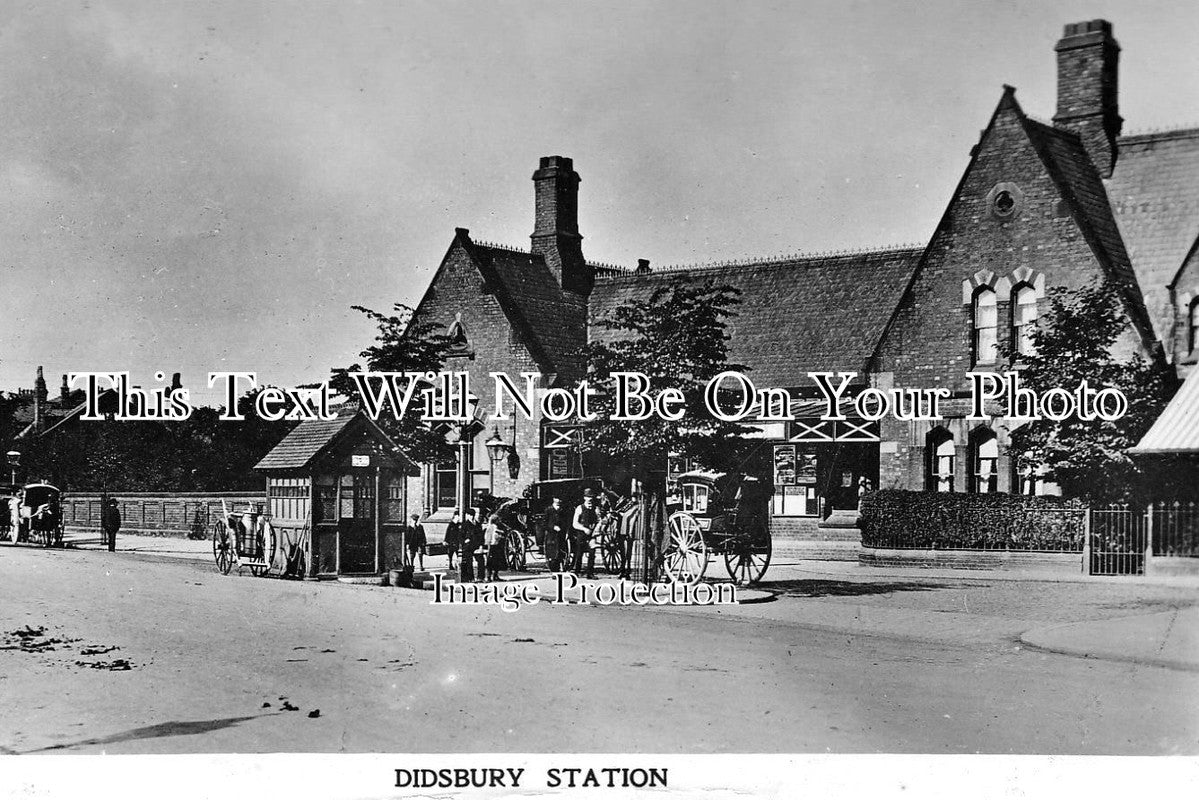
1004 201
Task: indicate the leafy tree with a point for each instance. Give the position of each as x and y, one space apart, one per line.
676 337
402 344
201 453
1073 342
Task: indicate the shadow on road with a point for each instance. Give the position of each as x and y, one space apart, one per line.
153 732
827 588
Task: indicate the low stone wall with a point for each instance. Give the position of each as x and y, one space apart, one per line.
1172 565
184 514
1051 563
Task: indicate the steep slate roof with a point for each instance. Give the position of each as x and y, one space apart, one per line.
310 438
813 313
1154 192
303 442
552 320
1081 187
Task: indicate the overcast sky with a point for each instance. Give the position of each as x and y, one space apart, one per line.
195 187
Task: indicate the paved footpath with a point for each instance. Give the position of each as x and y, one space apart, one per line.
1160 630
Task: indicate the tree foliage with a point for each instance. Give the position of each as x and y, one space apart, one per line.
1074 341
402 344
677 338
199 454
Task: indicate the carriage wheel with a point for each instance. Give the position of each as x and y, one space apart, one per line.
613 552
686 556
566 555
264 541
748 559
222 547
514 550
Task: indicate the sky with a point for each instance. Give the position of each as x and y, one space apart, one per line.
194 187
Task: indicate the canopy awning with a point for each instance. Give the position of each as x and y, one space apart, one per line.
1176 431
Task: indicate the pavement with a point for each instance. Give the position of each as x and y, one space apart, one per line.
1166 638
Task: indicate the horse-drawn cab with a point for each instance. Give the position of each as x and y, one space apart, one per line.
40 515
721 513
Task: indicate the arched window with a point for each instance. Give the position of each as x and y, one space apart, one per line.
985 323
1024 319
941 455
984 461
1193 325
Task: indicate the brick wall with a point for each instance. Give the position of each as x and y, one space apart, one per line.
156 513
930 342
496 347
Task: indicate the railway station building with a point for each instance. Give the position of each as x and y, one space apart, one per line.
1041 204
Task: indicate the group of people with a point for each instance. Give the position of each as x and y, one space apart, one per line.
581 528
480 545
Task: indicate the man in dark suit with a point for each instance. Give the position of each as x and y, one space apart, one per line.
555 535
472 537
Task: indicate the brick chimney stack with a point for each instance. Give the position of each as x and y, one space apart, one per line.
40 396
64 392
1088 58
556 230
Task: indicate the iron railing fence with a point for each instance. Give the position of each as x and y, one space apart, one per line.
1175 529
1119 535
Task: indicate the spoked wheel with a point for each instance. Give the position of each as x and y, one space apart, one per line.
566 555
686 556
748 559
514 551
264 542
613 553
222 547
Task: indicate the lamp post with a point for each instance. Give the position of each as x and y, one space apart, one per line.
14 461
465 436
500 451
496 450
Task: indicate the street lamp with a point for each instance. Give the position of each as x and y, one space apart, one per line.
14 461
500 451
497 448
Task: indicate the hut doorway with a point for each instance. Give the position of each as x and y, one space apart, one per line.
357 525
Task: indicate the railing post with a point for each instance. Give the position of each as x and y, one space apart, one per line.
1086 539
1148 537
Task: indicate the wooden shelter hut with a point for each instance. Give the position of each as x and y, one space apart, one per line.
337 495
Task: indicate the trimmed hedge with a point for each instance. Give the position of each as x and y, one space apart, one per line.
899 519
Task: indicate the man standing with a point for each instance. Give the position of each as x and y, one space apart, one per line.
555 535
585 521
416 542
110 521
453 537
471 539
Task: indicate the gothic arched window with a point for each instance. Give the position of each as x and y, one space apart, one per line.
1024 319
984 461
941 458
985 325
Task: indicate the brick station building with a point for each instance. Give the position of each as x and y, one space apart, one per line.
1040 205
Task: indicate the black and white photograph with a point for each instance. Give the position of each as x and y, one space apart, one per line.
494 399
